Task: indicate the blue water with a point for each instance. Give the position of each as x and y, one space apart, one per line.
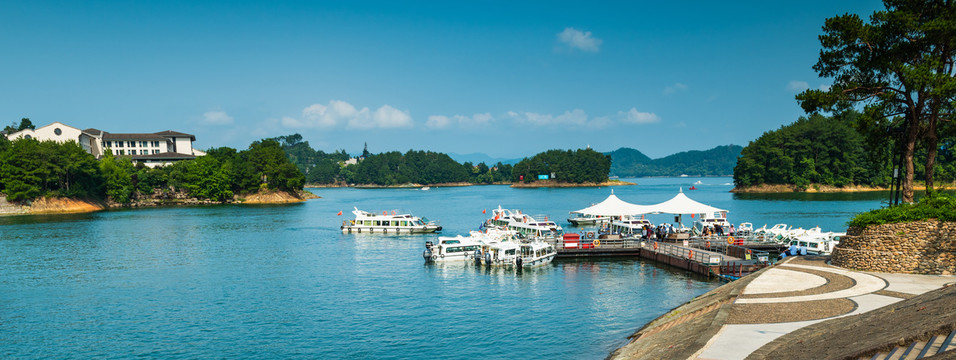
284 282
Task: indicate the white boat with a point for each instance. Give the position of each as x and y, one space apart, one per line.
816 244
518 253
493 247
630 226
525 224
711 220
453 248
426 188
388 223
588 219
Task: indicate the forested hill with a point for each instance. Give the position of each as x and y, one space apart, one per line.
627 162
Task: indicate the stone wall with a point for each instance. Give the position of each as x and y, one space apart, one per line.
924 247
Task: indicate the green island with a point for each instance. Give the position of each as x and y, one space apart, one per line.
32 171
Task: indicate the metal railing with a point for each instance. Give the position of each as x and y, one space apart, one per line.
690 253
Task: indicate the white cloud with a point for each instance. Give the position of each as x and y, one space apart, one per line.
576 39
476 120
636 117
339 112
437 122
387 117
674 88
572 117
216 118
798 85
825 87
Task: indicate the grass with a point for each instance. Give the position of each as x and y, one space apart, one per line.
938 206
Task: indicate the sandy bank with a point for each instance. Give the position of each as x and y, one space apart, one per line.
555 184
814 188
54 205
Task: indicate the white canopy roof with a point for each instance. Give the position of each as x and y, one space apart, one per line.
681 204
612 206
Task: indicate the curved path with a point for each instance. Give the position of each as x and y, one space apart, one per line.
798 289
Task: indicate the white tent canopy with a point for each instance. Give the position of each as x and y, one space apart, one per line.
612 206
681 204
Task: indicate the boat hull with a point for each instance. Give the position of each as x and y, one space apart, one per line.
391 229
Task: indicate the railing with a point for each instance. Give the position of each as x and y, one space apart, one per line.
694 254
622 243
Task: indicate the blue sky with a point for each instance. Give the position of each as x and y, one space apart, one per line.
508 79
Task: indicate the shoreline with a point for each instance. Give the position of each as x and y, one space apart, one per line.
813 188
61 205
553 184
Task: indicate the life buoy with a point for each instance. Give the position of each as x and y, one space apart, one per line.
655 245
597 243
590 234
730 240
708 244
690 254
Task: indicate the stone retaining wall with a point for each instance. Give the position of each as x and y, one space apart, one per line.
924 247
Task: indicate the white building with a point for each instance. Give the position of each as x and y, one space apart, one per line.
152 149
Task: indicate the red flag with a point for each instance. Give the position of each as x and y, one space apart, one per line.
483 211
340 212
691 216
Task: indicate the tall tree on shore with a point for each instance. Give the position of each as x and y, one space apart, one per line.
900 67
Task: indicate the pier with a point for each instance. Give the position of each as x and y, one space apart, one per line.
717 256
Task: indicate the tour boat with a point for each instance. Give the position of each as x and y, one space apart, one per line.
630 225
709 220
388 223
518 253
453 248
525 224
588 219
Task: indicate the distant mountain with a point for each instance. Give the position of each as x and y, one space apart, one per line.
476 158
626 162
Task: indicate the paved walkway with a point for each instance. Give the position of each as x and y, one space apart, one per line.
798 282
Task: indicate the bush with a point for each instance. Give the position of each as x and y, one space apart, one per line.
937 206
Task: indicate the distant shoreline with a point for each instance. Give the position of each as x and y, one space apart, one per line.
813 188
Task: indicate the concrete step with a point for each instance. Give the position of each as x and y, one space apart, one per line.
913 350
949 343
932 346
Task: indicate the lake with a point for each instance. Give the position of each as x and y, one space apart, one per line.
284 282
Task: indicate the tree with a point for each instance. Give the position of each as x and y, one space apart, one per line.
899 66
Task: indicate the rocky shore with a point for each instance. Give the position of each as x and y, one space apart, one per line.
59 205
812 188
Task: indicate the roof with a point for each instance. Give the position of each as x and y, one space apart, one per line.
112 136
163 156
94 132
612 206
681 204
162 135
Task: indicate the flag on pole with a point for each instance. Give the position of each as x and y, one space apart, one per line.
340 213
483 211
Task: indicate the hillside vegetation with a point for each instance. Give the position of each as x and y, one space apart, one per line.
627 162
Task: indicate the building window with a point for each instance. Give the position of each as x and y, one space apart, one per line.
155 151
122 152
143 144
155 143
132 152
27 136
118 143
58 132
131 143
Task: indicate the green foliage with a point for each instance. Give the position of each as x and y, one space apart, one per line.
936 206
29 169
116 176
572 166
899 67
814 150
717 161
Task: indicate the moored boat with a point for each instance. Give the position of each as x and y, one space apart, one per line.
524 224
453 248
388 223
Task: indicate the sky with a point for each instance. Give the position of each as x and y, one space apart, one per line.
508 79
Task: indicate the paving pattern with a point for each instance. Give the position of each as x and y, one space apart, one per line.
801 292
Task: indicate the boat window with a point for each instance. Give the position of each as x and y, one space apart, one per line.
404 223
814 245
453 249
510 252
803 243
450 242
